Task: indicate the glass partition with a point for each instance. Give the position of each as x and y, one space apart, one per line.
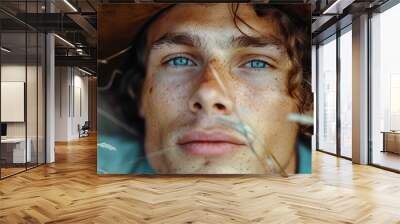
33 62
22 77
32 95
14 153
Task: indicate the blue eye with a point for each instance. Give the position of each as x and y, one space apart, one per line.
180 61
256 64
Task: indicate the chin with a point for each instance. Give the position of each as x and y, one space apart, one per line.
220 170
213 169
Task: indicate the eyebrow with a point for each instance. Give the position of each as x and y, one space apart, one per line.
247 41
178 39
241 41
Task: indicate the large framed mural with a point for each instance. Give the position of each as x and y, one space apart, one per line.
220 88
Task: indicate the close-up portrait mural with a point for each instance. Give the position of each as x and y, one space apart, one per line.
204 89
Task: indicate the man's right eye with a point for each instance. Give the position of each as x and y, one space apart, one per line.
180 61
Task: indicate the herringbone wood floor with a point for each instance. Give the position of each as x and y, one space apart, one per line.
70 191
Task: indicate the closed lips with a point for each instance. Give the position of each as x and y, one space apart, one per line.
209 143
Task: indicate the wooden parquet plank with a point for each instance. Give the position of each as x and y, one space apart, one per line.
70 191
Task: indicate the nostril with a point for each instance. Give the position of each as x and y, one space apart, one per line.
219 106
197 106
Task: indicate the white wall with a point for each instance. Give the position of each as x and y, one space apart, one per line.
61 103
71 94
80 112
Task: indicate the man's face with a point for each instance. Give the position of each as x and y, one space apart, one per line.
216 100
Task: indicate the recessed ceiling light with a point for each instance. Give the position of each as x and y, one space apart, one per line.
65 41
84 71
5 49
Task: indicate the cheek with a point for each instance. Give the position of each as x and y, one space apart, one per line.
264 109
166 99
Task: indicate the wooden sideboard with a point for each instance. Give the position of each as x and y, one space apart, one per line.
391 141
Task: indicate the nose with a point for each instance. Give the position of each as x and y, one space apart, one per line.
209 97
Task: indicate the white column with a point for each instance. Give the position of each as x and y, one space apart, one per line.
50 100
50 93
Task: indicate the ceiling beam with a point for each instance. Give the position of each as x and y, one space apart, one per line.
81 61
84 24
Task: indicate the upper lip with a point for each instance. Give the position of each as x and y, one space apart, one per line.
209 137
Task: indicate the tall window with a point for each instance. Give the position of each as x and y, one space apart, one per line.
346 92
385 89
327 95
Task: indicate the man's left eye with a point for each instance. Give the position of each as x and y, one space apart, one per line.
256 64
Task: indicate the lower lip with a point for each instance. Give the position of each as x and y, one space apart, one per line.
210 148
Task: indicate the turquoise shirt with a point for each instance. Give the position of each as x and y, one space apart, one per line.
121 155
